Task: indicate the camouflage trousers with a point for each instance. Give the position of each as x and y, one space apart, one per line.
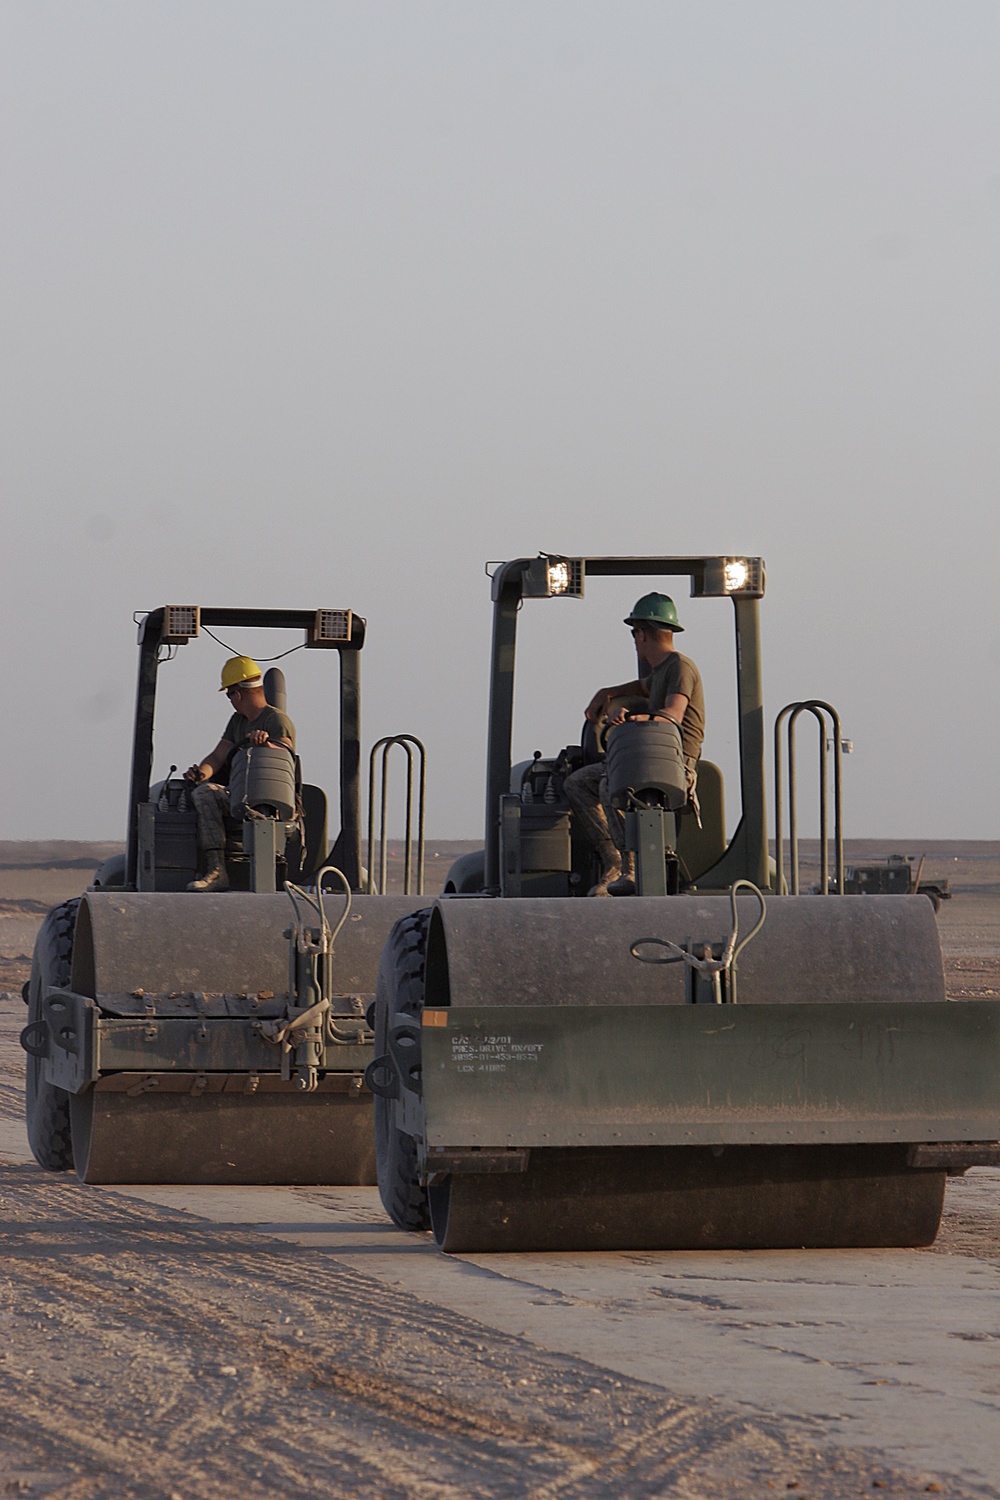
587 793
604 825
211 803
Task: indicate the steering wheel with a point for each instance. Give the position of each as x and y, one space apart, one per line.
602 727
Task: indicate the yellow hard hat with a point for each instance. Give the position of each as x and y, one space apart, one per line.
239 669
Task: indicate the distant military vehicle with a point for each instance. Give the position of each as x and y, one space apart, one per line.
894 877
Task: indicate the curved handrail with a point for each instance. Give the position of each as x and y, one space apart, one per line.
819 709
409 744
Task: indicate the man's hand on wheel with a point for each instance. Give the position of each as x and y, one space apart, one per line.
598 703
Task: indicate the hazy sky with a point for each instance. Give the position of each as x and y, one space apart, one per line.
329 303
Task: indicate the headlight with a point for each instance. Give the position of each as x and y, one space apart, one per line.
331 627
549 577
181 623
723 577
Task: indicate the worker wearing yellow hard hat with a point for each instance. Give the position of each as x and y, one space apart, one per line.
240 670
253 722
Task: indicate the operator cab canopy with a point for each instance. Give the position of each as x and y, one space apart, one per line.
161 633
705 850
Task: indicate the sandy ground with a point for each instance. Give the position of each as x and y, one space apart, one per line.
207 1342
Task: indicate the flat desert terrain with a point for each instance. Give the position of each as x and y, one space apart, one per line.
180 1343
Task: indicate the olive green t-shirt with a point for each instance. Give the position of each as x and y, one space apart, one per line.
278 726
678 674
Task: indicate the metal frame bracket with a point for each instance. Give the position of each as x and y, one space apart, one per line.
71 1061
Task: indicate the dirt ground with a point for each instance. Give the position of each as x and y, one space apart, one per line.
148 1355
147 1352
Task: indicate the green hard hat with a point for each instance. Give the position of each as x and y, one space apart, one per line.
658 610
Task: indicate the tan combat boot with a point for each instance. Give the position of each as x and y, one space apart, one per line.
215 877
625 884
611 868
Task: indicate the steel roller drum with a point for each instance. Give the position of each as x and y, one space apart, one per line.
218 1127
689 1198
789 1147
558 952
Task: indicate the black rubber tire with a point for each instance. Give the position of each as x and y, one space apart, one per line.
399 994
46 1107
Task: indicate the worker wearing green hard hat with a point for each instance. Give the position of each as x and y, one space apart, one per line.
658 610
671 689
253 722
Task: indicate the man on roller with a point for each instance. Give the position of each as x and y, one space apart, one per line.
253 722
674 691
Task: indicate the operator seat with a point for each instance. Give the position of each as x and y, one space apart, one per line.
306 843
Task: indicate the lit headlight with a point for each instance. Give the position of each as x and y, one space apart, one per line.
734 575
723 577
549 577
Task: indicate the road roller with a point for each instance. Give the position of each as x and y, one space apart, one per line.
713 1061
218 1037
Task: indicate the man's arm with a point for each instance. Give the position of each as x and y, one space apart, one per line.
281 731
261 737
204 770
599 702
673 709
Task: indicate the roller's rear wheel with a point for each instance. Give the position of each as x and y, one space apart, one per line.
399 997
687 1198
47 1107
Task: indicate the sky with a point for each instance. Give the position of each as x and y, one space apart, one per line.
328 303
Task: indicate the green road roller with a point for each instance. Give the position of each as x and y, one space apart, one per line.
218 1035
708 1063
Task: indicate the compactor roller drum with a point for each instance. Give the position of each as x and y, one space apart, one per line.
172 998
557 1094
284 1139
694 1198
